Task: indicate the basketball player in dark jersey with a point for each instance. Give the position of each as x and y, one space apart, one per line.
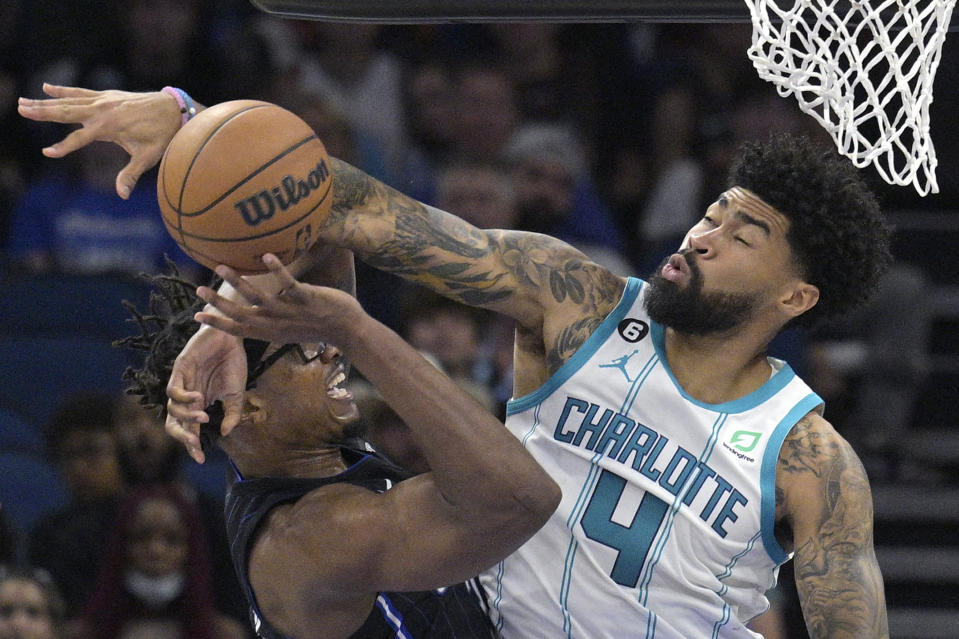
330 539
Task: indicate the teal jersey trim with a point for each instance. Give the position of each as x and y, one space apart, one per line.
767 478
776 383
581 356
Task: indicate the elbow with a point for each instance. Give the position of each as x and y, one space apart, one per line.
538 501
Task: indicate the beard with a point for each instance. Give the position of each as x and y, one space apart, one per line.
691 311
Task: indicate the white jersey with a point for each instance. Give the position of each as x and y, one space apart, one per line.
665 529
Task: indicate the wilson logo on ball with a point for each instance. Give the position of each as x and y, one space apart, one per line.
263 205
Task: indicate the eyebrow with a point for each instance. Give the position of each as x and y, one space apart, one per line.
744 217
748 219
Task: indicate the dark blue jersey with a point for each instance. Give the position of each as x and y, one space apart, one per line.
447 613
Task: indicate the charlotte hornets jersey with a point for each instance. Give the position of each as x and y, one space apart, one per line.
665 529
455 612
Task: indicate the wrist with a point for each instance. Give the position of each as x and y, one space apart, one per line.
184 102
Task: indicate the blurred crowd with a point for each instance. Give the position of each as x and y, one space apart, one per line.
613 137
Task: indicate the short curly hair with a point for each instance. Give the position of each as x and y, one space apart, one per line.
837 232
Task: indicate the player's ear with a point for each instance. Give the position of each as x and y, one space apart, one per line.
255 408
798 298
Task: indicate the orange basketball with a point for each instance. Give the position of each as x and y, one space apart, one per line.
241 179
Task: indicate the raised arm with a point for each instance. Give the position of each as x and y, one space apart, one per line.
556 294
545 284
823 496
483 497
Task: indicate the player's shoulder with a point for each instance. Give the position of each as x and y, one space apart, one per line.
321 534
814 433
815 456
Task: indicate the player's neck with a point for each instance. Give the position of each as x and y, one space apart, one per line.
717 368
312 461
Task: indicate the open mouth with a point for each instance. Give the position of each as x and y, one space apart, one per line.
334 390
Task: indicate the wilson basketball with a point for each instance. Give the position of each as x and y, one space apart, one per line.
241 179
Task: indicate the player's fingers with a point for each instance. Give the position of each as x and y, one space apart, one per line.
187 413
226 306
75 140
232 411
65 111
282 275
242 286
128 176
221 323
179 385
190 440
58 91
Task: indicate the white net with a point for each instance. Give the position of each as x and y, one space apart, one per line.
864 69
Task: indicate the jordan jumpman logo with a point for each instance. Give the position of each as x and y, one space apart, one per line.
620 363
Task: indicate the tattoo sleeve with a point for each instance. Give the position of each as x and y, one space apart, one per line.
525 275
829 504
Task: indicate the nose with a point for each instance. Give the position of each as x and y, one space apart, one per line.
702 243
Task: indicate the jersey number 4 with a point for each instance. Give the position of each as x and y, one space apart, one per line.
634 541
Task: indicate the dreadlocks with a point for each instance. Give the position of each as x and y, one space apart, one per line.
164 331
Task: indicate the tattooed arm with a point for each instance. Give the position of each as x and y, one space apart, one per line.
823 497
556 294
549 287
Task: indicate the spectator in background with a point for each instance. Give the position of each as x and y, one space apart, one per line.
67 543
145 44
430 112
148 456
72 221
675 199
554 193
452 333
144 450
386 430
485 111
554 69
343 63
154 580
30 605
329 118
479 192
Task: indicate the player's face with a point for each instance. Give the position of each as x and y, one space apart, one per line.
306 387
732 263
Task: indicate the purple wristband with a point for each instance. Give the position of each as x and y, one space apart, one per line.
187 108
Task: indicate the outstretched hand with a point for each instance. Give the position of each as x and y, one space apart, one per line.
297 312
142 123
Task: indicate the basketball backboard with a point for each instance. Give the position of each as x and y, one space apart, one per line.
424 11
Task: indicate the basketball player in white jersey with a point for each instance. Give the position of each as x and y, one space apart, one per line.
692 464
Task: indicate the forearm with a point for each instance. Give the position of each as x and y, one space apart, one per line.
841 598
395 233
520 274
475 460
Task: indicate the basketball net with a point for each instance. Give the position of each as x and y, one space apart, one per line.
864 69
